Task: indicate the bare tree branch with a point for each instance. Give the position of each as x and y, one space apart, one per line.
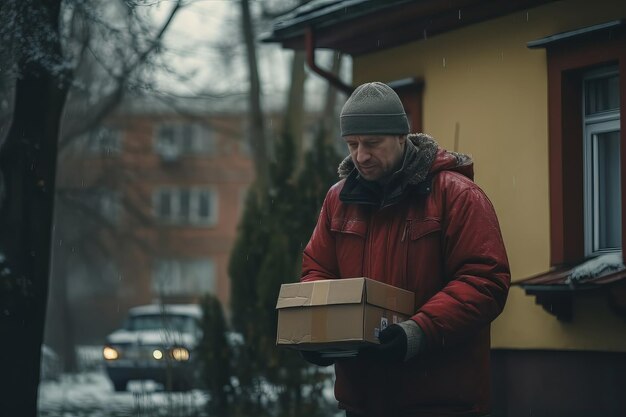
107 104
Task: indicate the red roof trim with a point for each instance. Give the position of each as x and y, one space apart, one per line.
558 277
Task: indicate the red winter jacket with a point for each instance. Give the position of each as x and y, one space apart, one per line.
441 240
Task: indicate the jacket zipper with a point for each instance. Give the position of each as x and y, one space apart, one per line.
369 245
364 260
406 228
405 278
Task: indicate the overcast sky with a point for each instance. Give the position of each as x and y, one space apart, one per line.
203 44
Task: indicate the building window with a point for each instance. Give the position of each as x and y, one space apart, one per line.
102 141
186 206
602 161
174 140
183 277
103 201
586 69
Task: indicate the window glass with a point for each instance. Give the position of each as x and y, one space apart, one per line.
602 162
161 321
176 139
602 94
166 134
186 137
102 140
607 196
204 205
103 201
164 204
205 140
186 206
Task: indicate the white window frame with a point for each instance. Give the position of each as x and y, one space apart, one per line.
593 125
202 140
192 218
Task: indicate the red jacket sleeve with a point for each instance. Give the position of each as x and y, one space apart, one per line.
476 270
319 260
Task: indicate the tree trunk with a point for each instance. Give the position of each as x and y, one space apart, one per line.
59 290
256 133
28 166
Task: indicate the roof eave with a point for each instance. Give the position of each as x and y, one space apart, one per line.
329 16
353 32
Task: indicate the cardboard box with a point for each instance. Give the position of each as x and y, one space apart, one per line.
339 314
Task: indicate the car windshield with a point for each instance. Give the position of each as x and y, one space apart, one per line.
180 323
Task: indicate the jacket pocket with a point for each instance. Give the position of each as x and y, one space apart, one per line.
350 234
423 258
353 226
423 227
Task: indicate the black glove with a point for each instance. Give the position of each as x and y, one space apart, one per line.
392 347
316 358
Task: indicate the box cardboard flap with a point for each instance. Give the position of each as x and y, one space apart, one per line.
322 292
389 297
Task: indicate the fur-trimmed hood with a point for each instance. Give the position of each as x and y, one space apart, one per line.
422 157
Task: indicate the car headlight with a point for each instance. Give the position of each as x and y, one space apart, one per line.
180 354
157 354
110 353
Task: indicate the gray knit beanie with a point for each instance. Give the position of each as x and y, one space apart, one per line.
373 109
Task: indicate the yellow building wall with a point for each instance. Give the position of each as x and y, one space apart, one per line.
487 89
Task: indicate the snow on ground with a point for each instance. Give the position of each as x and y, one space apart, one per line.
90 394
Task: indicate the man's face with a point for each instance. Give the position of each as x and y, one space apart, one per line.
376 157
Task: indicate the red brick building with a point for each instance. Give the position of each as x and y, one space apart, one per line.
147 209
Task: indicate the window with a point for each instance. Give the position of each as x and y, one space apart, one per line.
586 69
174 140
103 141
183 277
192 206
103 201
602 161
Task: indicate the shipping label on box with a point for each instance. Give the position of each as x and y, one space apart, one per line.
341 314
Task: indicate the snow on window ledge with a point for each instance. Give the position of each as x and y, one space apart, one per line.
596 267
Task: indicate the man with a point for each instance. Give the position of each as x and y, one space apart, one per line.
407 213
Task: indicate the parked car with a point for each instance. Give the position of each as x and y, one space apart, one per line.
156 342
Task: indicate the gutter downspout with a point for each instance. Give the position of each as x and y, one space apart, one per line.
309 40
